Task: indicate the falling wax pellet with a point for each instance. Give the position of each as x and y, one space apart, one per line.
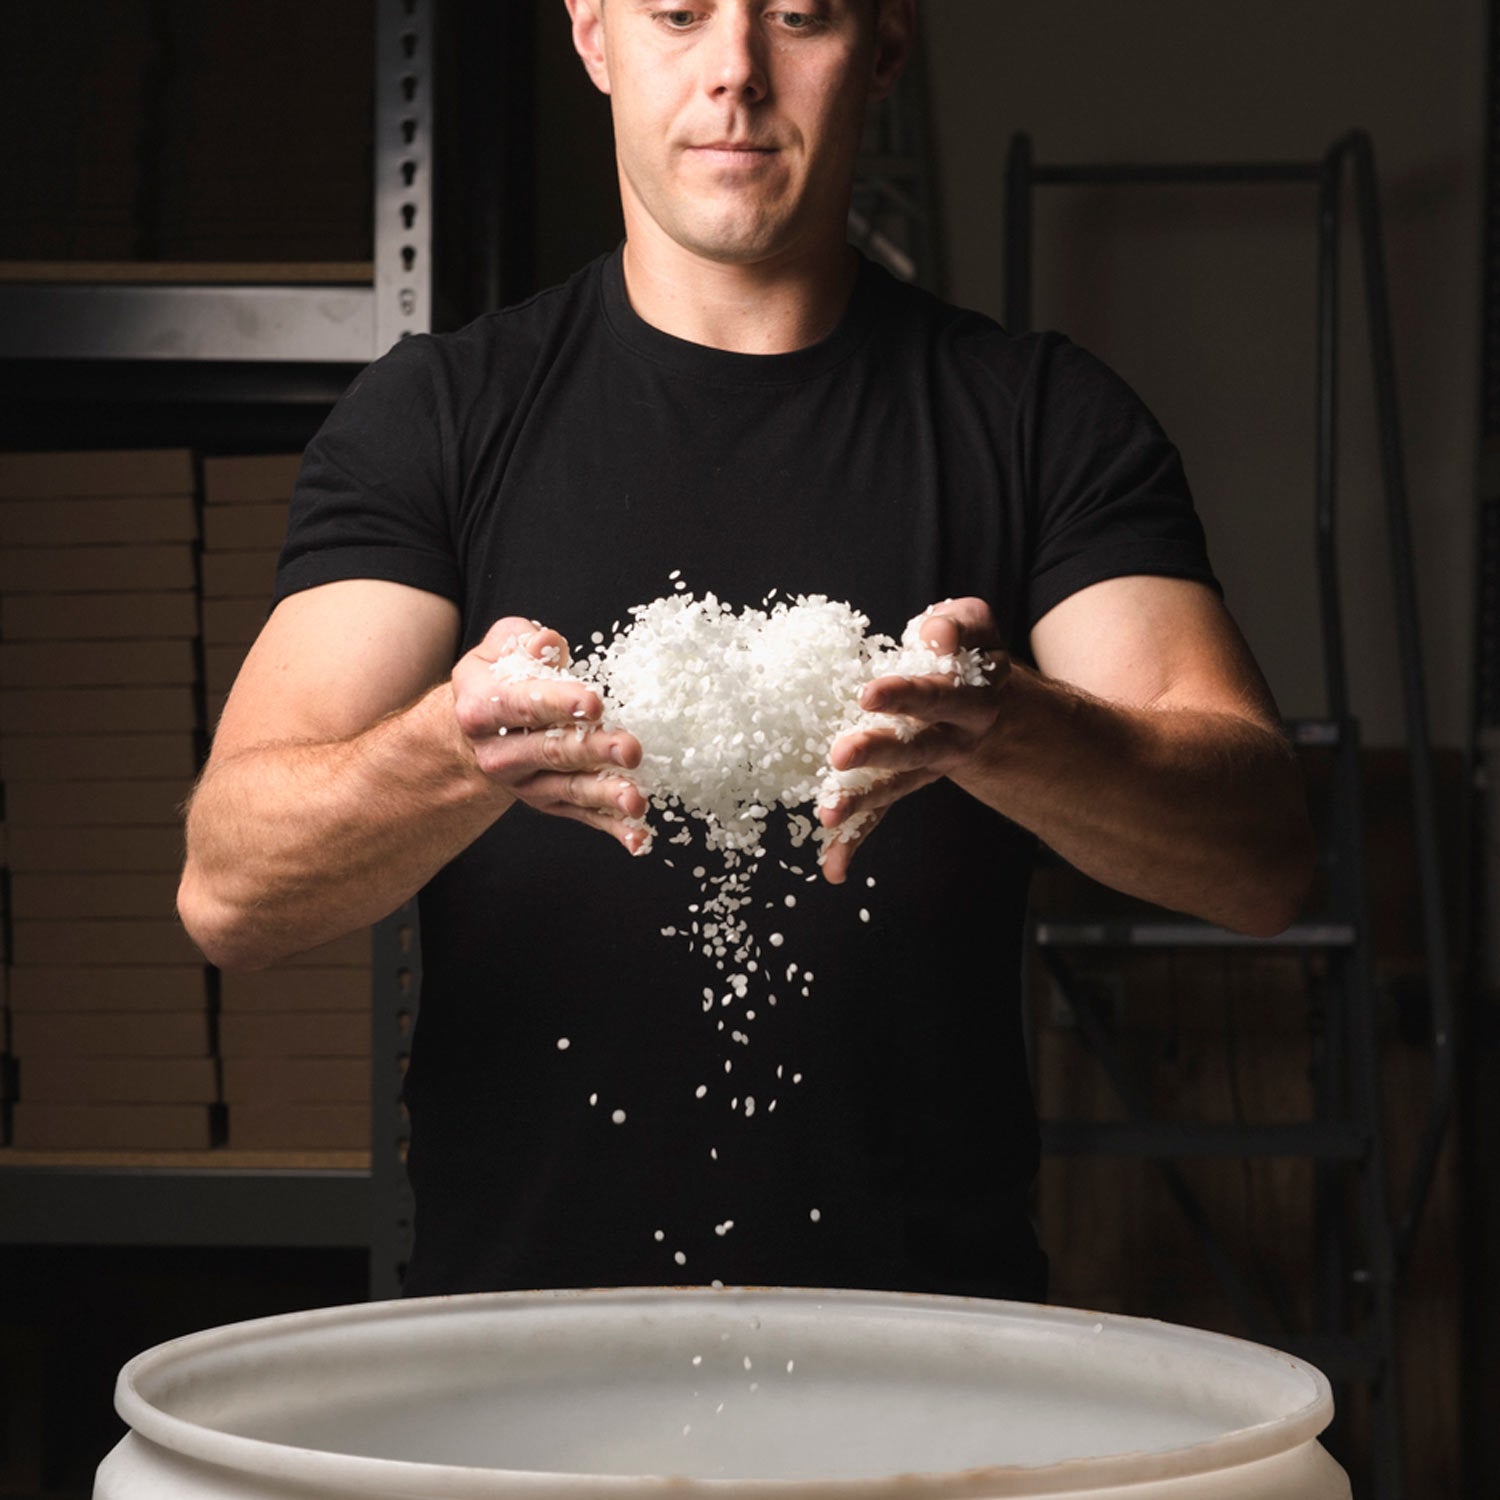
680 1258
618 1117
660 1235
815 1215
563 1044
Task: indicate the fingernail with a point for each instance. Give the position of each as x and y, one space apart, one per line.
617 754
854 757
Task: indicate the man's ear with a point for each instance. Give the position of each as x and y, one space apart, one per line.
895 32
588 39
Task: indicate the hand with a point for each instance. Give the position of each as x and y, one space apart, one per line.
951 724
505 721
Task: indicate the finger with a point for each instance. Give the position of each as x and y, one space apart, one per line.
589 791
838 855
542 702
933 700
486 705
516 754
939 745
876 798
515 635
631 836
956 623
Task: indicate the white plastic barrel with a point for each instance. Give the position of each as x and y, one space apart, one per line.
700 1394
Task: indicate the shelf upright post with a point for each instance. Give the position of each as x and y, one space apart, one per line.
403 306
403 169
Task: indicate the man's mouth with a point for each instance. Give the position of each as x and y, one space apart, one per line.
733 153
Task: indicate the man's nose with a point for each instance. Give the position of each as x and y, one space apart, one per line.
736 63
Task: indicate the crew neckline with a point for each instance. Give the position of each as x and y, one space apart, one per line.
727 366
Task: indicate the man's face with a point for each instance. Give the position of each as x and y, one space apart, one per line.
737 122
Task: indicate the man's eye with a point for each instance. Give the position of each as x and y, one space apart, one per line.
676 20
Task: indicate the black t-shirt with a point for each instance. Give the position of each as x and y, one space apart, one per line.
561 460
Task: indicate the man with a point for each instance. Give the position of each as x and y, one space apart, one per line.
734 395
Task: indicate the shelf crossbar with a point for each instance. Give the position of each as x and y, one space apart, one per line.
312 324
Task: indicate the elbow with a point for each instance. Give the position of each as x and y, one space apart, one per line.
1277 896
221 931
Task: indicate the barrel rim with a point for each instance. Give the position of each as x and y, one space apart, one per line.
377 1476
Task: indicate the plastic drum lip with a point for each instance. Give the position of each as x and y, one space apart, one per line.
355 1473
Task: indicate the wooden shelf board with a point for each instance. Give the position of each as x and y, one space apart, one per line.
224 1159
189 273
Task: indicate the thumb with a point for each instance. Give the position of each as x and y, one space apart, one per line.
956 624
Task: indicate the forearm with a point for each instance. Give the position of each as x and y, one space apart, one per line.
1200 812
292 844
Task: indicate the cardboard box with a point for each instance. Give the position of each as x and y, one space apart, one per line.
97 804
74 523
162 1033
50 988
297 1080
234 528
101 711
99 617
59 664
108 1080
221 665
99 757
240 575
101 849
261 477
353 951
46 476
42 896
231 622
296 1034
278 990
114 1127
294 1127
137 941
96 570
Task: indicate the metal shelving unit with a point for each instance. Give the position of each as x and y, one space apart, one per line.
1354 1336
66 1201
153 343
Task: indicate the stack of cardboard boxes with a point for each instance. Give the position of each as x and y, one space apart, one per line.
179 131
119 640
294 1040
100 732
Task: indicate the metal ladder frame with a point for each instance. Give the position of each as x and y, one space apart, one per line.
1348 1129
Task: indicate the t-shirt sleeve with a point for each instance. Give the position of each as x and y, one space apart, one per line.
1106 488
374 494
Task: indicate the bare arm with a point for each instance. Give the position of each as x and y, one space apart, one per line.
1146 750
354 760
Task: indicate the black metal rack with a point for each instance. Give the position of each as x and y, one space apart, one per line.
162 350
1354 1337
